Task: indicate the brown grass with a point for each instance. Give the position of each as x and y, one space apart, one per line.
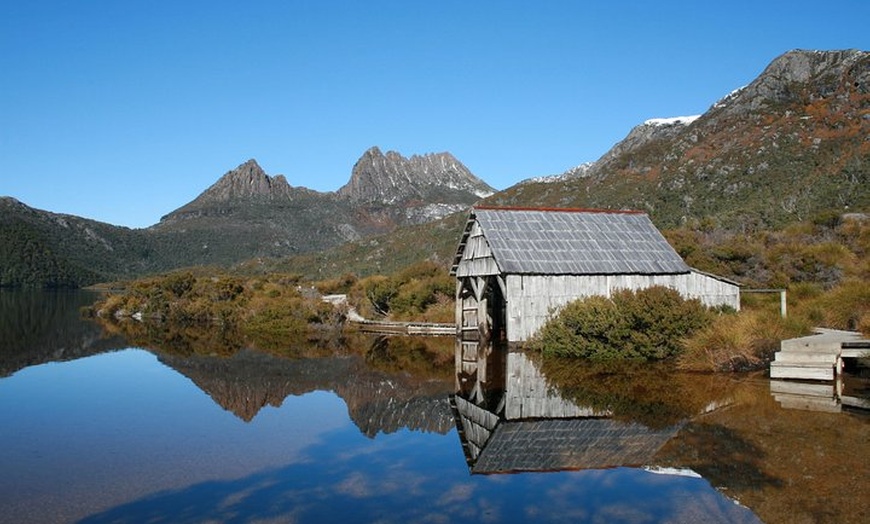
739 342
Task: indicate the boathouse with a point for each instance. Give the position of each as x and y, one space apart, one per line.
516 266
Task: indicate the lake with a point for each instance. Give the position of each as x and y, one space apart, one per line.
101 425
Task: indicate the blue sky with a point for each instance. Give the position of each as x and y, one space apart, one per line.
123 111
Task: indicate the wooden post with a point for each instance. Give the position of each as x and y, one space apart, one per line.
480 294
457 308
783 306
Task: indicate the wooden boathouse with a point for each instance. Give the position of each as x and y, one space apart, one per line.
516 266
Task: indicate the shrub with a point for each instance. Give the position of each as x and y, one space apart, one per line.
647 324
408 295
416 296
372 296
590 328
340 285
278 322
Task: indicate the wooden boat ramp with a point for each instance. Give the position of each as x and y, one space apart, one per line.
818 356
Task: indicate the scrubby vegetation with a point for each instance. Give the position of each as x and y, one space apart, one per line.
824 263
824 251
739 342
749 339
647 324
272 308
276 308
421 292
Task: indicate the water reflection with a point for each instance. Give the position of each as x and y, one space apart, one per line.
40 327
378 401
844 393
516 412
510 418
204 426
396 382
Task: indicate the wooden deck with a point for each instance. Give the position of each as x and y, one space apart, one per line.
405 328
817 357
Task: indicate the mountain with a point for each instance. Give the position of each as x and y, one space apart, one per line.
44 249
248 181
245 215
791 144
248 214
413 190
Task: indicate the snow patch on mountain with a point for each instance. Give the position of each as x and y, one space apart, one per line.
685 120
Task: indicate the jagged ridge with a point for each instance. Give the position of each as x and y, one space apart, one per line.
792 143
391 178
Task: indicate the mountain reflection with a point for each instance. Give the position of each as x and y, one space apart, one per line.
387 383
45 326
378 401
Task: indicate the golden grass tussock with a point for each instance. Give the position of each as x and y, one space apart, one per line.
847 306
738 342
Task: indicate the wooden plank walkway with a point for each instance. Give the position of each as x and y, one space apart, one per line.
405 328
389 328
817 357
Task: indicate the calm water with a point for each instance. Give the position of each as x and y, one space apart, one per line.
109 428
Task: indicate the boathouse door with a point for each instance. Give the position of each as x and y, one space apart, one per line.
481 307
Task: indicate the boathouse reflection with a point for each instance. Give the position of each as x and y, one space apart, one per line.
510 419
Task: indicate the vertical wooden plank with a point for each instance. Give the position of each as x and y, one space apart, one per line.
782 303
457 305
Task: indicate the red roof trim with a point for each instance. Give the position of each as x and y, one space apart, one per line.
562 210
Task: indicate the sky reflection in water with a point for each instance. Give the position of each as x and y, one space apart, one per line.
120 437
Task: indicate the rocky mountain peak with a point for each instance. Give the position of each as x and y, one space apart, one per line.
791 143
247 180
799 75
390 178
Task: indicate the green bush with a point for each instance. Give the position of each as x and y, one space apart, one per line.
372 296
648 324
411 294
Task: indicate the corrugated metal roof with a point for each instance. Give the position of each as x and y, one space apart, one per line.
495 445
559 444
575 242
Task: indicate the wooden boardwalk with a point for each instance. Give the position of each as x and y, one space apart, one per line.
386 327
819 356
805 396
405 328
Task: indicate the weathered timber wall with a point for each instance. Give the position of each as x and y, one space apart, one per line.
531 299
477 258
529 396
